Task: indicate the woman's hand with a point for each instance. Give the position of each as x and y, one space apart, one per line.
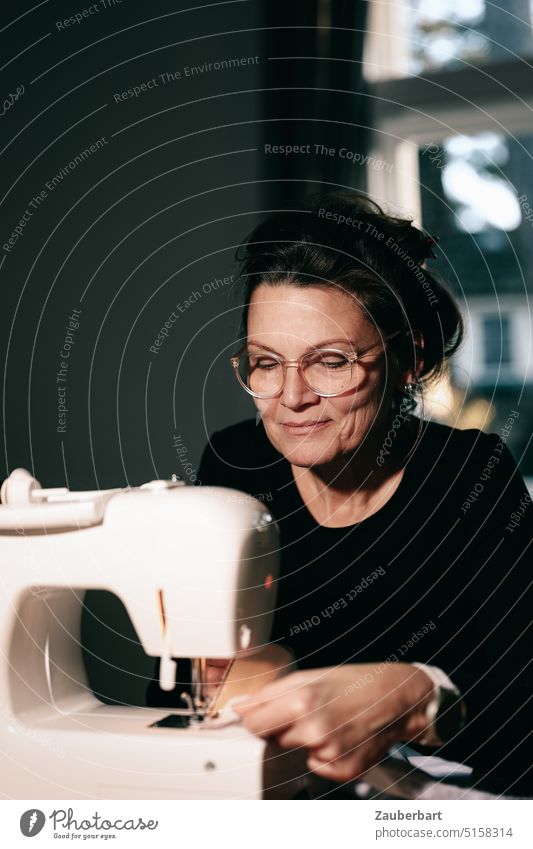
215 672
346 716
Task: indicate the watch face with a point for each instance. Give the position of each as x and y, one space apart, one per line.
450 715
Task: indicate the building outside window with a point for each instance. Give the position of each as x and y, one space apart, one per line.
451 87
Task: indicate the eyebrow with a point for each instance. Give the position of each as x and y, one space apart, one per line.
311 347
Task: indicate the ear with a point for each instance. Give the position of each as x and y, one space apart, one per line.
410 375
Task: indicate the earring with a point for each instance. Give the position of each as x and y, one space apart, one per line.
411 388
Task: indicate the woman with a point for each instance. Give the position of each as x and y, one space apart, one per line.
404 597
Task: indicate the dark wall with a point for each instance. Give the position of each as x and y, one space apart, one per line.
128 231
146 222
127 183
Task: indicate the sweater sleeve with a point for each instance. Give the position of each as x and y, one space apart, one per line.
494 611
208 469
214 469
230 456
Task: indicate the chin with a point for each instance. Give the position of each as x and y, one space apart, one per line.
306 454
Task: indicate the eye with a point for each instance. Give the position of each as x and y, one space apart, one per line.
331 360
263 363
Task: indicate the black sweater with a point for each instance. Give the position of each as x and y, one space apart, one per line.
441 574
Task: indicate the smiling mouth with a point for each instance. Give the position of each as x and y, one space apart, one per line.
305 428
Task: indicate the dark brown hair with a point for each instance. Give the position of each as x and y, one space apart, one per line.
344 239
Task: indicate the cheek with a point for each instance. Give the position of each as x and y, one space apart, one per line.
266 408
357 413
353 406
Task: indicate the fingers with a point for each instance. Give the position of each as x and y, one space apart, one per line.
339 760
294 683
270 718
322 734
288 703
310 732
343 769
276 707
214 674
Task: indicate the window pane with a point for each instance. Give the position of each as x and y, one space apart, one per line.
497 340
477 195
446 34
409 37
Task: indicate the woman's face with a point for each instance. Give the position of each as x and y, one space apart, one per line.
290 320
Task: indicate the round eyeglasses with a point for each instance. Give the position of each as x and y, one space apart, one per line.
325 371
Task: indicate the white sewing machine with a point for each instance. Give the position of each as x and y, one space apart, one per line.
196 569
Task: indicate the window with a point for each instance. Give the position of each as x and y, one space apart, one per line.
422 36
469 195
496 353
451 89
497 340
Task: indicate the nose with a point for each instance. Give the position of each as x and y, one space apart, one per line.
295 390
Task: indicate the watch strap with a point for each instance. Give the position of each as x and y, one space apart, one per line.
445 693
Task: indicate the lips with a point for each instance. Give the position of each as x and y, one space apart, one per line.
303 428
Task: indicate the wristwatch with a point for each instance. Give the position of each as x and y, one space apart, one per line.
446 712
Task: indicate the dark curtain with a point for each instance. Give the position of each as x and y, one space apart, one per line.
312 98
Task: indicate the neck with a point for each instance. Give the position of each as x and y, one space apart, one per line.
354 485
343 476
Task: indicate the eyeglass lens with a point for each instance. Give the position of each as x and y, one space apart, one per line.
326 372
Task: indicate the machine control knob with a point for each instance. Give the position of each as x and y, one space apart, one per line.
263 521
159 486
18 488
